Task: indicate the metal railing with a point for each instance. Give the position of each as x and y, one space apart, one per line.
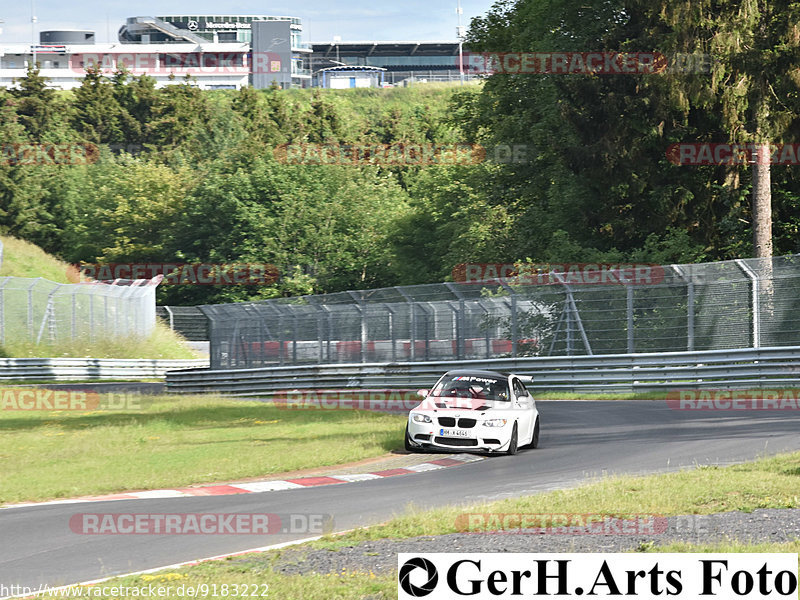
189 321
748 368
81 369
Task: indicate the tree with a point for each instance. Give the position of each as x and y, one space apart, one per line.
598 169
36 104
98 115
753 78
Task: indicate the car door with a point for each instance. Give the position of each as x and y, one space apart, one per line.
523 402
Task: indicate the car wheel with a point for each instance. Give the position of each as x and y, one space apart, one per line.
535 440
512 446
409 447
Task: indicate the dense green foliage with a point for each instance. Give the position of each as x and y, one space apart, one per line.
191 176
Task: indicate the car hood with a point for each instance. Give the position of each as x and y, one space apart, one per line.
438 403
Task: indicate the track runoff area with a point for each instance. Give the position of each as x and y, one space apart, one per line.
580 441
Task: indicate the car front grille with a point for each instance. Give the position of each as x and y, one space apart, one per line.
466 423
449 441
447 421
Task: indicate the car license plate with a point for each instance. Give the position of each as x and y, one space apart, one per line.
453 433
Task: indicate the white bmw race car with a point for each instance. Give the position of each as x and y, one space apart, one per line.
475 411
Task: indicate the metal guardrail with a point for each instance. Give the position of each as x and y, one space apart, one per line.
79 369
746 368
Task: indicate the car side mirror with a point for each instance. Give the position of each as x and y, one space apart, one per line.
423 393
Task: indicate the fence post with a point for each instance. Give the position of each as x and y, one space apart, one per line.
362 310
572 313
392 336
30 307
74 315
413 325
2 311
460 320
689 280
320 329
629 311
755 301
513 308
488 337
171 317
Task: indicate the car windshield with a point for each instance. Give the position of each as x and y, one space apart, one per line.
472 386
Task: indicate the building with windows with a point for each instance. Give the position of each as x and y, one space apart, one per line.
284 45
402 61
230 52
203 28
339 78
216 51
210 66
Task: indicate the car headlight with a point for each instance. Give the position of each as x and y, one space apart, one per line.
495 422
421 418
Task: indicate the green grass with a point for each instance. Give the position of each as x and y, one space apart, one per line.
767 483
163 343
733 546
171 442
255 572
23 259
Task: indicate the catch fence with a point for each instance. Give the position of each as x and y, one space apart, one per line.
41 311
748 303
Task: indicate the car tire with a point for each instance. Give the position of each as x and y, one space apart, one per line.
407 443
512 445
535 439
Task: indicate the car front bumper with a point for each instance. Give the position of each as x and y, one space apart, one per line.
478 438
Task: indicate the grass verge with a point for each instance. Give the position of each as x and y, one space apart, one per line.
772 482
167 441
256 576
255 573
163 343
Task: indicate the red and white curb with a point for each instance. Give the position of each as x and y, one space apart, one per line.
256 487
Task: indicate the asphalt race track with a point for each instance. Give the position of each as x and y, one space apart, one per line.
578 440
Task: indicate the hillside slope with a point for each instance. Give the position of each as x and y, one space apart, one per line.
23 259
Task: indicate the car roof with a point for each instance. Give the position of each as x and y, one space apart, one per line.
479 372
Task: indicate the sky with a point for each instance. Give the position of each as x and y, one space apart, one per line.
353 20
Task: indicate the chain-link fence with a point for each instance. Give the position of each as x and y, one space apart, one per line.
711 306
38 310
